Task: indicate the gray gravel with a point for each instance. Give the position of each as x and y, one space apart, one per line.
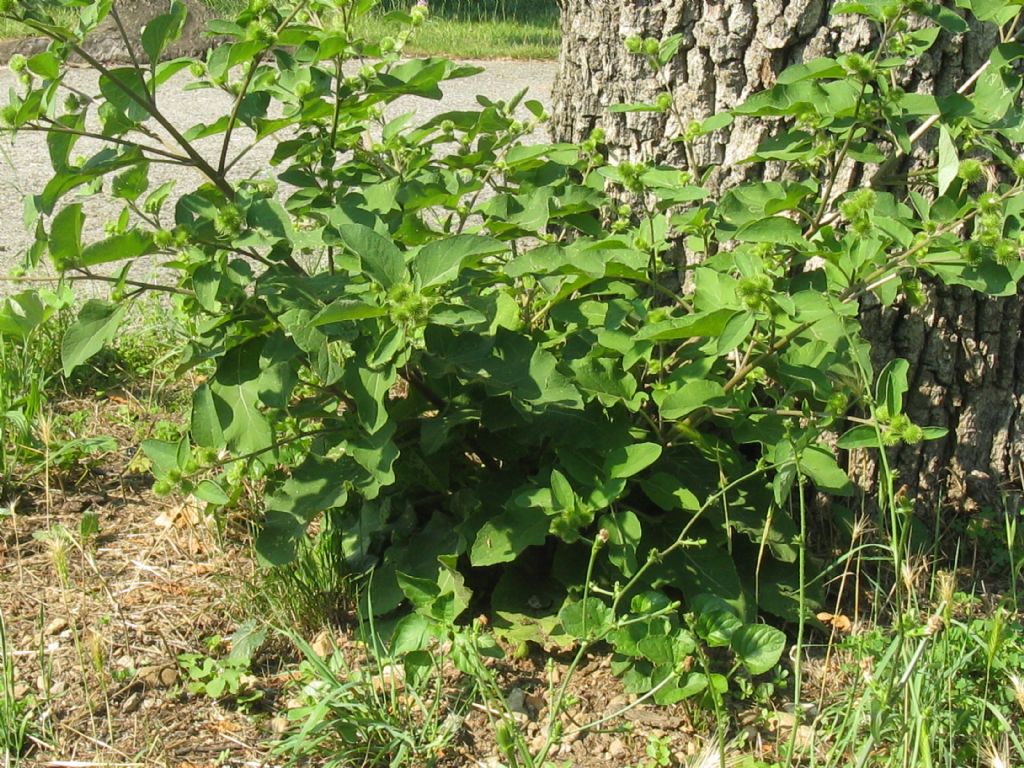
25 165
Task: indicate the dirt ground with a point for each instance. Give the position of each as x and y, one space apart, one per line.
97 624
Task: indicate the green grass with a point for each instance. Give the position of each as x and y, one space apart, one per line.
17 715
470 29
480 29
29 361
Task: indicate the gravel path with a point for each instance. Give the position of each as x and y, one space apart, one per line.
25 167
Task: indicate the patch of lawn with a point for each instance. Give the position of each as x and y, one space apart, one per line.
472 29
517 29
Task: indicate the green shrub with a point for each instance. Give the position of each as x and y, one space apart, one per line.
466 348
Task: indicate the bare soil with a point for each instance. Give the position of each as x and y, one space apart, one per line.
97 626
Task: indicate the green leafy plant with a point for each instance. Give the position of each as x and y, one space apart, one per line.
228 677
936 689
386 711
316 589
490 371
18 718
27 362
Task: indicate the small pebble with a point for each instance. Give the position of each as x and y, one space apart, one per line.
55 627
157 677
616 748
132 702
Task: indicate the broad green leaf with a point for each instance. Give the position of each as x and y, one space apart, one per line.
315 485
45 64
347 309
246 640
129 245
949 161
163 30
996 11
97 325
816 69
440 262
66 236
586 619
562 494
211 493
413 633
860 436
22 314
716 627
370 389
166 455
126 92
421 592
702 569
893 385
268 222
678 403
758 647
777 230
691 326
948 19
235 391
668 492
378 255
626 461
163 455
604 378
132 183
205 423
503 537
455 315
624 533
820 465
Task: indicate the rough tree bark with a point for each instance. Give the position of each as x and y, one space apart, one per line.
966 351
107 45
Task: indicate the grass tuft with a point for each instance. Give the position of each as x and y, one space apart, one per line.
478 29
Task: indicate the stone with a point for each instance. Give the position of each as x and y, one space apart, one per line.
617 748
55 627
156 676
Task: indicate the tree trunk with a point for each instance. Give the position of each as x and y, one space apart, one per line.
965 350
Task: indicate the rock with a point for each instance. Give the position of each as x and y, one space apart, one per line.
391 678
56 687
516 702
323 644
537 743
804 737
132 702
55 627
157 676
616 748
654 718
